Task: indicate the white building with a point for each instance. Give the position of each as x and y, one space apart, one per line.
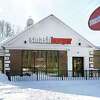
40 44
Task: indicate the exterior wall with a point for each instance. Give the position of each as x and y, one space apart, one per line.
53 27
15 62
29 60
71 52
79 52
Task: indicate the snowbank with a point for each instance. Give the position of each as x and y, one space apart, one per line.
49 90
3 77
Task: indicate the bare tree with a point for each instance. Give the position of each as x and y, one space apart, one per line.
6 29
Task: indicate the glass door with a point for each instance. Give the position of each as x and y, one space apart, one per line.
78 66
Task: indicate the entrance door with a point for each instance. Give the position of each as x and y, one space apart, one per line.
2 64
78 66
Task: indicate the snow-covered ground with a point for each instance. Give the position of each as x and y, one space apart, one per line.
49 90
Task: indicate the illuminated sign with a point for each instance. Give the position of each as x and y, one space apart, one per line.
49 40
61 40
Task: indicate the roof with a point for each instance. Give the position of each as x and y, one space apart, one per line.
11 38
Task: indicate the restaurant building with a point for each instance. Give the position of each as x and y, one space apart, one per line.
48 44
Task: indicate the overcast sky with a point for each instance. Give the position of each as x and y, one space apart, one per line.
74 13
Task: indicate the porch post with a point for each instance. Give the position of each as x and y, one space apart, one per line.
6 61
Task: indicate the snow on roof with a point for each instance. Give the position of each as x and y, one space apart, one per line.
10 38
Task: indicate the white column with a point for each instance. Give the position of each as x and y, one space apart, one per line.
6 60
86 63
69 65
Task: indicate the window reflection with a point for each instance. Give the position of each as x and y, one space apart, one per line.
51 61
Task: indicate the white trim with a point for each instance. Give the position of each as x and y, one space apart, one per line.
7 62
6 51
41 47
7 54
7 68
6 65
6 58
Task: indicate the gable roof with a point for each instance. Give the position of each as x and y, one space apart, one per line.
32 26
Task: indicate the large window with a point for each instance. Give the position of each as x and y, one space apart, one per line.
26 60
51 61
40 59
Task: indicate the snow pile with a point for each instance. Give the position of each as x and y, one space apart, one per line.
49 90
3 77
36 94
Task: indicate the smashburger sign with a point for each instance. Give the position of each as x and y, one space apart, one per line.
94 20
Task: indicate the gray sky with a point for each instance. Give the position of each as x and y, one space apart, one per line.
74 13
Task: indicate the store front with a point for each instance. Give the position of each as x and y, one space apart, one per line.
49 46
48 61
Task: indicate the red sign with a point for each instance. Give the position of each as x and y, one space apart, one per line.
61 40
94 20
